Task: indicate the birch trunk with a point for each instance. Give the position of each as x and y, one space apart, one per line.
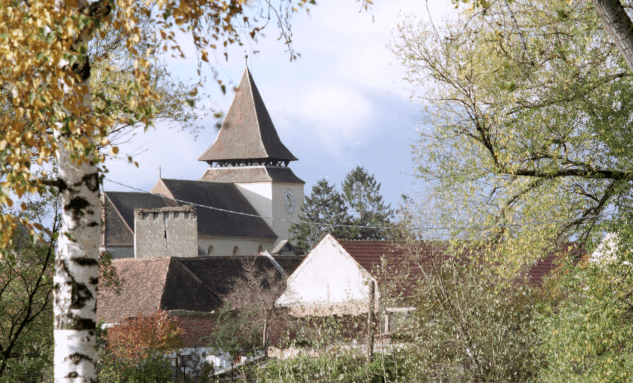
76 270
77 256
619 26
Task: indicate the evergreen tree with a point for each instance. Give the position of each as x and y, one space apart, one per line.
362 194
324 205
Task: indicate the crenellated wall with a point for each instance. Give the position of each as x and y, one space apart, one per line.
166 232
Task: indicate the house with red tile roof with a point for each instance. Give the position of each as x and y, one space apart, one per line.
191 289
335 276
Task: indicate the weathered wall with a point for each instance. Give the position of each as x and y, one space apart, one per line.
166 232
282 228
225 245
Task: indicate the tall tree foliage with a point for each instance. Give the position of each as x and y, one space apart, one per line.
325 206
528 107
26 292
359 204
362 194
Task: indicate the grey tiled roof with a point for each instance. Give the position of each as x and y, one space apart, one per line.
126 202
119 215
251 174
218 195
248 131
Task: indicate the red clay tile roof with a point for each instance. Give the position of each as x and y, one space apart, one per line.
171 283
248 131
369 254
140 294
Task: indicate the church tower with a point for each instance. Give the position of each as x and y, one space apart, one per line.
249 154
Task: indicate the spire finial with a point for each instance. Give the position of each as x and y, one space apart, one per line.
246 58
160 173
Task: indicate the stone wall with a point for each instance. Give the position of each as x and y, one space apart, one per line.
166 232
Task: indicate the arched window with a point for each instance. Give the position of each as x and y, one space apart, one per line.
210 250
236 250
260 249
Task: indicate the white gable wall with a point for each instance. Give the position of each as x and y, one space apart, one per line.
328 281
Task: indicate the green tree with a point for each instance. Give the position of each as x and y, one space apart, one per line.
528 110
250 313
361 192
470 324
26 292
586 324
324 207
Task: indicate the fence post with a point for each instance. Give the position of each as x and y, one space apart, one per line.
370 320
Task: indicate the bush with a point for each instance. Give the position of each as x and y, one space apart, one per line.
344 367
588 327
154 369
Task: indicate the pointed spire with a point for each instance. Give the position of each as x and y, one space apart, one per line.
248 133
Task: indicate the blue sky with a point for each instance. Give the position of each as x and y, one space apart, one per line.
343 103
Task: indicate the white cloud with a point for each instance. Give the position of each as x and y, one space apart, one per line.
337 114
176 152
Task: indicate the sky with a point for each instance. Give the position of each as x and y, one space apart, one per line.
342 104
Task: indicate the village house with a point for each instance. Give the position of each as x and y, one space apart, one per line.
335 278
190 289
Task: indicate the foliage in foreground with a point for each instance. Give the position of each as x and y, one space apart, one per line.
144 337
343 366
588 327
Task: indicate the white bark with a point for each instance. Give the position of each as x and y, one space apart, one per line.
77 257
76 270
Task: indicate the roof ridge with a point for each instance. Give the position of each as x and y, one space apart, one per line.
250 87
120 215
164 282
199 280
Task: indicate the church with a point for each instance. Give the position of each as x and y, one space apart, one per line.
242 205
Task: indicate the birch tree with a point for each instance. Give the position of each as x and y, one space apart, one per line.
45 74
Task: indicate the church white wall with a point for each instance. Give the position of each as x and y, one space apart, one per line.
328 279
268 199
282 228
260 195
224 245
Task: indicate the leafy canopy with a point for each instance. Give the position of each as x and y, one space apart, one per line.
528 109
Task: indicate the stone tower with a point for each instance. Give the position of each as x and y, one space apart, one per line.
249 154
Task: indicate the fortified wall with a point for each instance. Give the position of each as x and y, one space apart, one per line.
166 232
